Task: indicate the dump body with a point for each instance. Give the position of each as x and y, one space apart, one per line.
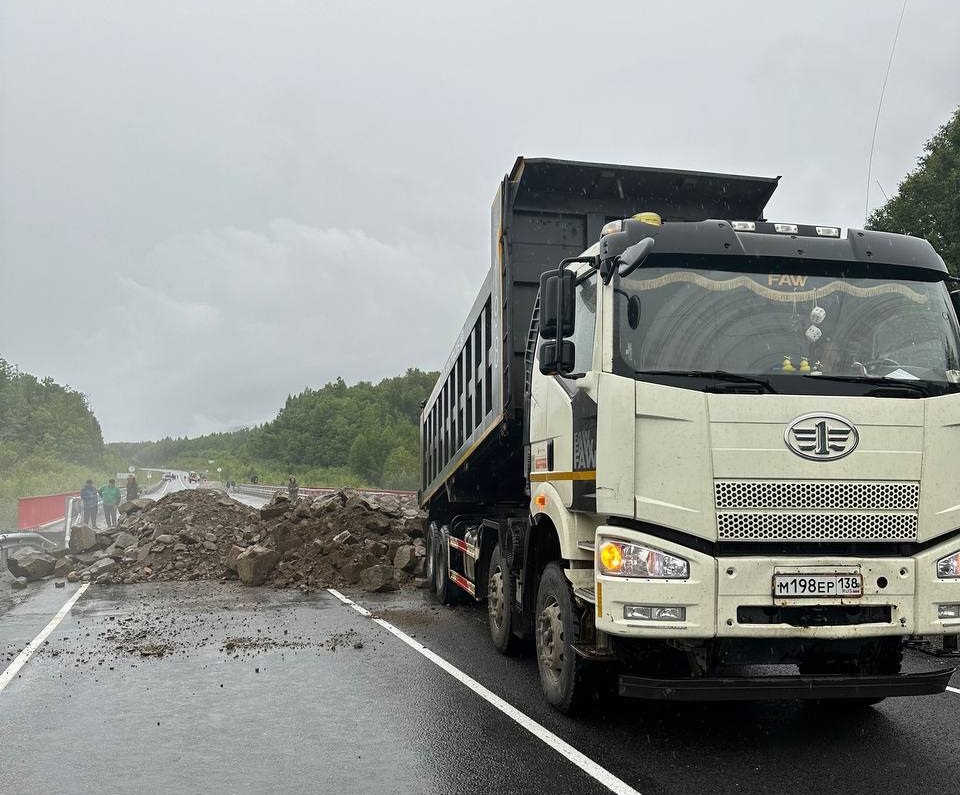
544 211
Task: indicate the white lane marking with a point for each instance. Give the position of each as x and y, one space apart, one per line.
7 676
585 763
954 689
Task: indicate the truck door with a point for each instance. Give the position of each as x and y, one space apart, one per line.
563 427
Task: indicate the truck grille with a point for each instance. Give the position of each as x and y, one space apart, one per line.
822 511
815 526
827 495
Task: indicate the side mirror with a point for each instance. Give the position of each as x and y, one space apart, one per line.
556 299
633 256
556 360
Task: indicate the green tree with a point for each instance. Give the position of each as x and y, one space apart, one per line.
927 203
50 440
401 470
338 434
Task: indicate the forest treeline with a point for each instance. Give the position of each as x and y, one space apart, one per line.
50 440
338 435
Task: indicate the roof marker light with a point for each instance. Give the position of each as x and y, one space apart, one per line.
743 226
786 229
648 218
828 231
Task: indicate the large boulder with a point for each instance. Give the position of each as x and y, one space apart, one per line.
235 551
322 504
105 539
124 540
82 538
378 523
389 504
278 506
188 536
63 567
31 563
285 538
102 566
134 506
255 563
406 558
357 503
378 579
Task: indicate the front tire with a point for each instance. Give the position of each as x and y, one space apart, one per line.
500 604
564 676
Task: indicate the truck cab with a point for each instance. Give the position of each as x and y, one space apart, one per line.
736 441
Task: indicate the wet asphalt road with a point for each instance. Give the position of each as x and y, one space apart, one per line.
260 691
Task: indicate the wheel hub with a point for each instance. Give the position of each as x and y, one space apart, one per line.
550 637
495 598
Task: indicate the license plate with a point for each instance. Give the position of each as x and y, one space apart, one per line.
792 586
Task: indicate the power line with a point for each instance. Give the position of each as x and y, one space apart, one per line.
876 123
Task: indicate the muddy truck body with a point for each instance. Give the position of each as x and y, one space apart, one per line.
675 442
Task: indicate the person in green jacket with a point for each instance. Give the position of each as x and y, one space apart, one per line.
110 495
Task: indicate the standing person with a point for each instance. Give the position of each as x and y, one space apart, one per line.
90 498
293 489
111 499
133 489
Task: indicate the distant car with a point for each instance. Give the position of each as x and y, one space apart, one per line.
194 477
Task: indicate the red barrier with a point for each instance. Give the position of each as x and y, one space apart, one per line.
38 511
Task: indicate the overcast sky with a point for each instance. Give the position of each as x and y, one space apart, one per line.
206 206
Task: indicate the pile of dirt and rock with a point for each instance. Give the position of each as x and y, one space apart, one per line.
341 539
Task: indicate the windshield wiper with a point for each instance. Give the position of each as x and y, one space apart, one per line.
876 380
716 375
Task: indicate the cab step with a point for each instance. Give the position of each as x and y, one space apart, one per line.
586 594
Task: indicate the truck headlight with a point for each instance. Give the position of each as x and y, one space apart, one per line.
949 567
623 559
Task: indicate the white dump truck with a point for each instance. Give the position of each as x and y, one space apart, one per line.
688 453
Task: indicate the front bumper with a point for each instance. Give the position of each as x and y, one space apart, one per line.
904 589
770 688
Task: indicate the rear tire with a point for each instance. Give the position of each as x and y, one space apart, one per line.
430 570
446 592
565 677
500 605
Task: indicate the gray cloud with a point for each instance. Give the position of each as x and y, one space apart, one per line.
205 207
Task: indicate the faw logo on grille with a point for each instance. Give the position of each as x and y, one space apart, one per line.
821 437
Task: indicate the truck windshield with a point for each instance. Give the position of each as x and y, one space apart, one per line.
692 320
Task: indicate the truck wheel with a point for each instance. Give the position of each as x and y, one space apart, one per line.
430 561
446 592
564 676
500 604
